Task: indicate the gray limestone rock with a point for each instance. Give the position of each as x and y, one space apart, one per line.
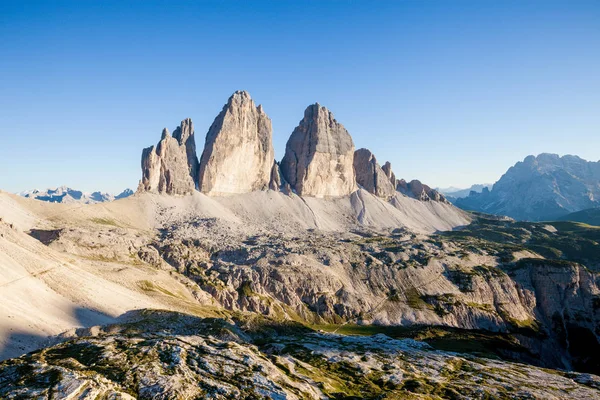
319 156
170 167
419 191
370 176
387 169
238 154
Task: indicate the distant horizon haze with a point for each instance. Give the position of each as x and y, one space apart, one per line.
451 93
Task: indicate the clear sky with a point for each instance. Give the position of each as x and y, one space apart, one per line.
451 92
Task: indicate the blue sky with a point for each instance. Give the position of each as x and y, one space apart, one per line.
451 92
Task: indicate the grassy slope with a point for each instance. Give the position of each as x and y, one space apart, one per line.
590 216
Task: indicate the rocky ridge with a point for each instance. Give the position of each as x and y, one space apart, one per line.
168 356
419 191
238 157
64 194
539 188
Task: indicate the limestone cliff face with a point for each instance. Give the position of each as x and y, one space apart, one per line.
238 154
371 176
171 166
319 156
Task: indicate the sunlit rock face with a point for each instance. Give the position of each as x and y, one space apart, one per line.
542 188
238 155
172 165
319 156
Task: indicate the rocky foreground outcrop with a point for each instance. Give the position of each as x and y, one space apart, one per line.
238 155
371 176
319 156
173 356
171 166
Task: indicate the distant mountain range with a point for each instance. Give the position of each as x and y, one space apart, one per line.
546 187
455 193
65 194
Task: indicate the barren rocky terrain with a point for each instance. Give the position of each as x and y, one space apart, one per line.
491 290
321 276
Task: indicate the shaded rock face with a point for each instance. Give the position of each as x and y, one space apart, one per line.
319 156
238 154
278 182
539 188
171 166
419 191
387 169
371 176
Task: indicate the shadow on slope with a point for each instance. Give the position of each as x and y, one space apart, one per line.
21 341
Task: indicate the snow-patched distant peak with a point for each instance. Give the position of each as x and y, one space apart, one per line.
65 194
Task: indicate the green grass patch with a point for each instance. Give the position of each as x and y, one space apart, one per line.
105 221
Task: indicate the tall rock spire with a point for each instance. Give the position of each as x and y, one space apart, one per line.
387 169
319 155
185 135
238 154
371 176
171 166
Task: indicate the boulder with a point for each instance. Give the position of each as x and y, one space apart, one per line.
319 156
238 154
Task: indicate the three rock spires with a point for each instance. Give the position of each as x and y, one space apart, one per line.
238 157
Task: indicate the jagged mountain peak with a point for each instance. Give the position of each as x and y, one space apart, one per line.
318 160
238 152
238 157
65 194
542 187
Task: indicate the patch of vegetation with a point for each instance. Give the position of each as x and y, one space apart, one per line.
89 357
482 343
106 221
588 218
528 327
245 289
414 300
461 278
149 286
484 307
85 353
28 377
571 241
443 304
